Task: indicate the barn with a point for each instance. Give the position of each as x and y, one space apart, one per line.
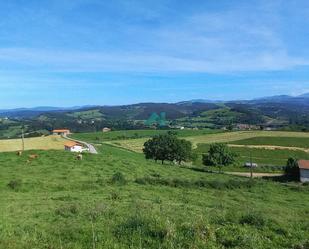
73 146
62 132
303 166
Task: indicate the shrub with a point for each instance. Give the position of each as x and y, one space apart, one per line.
219 155
291 169
67 210
253 219
145 229
114 196
201 183
118 178
15 184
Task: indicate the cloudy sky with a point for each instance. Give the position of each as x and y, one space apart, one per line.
78 52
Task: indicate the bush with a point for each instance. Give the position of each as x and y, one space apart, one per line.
67 210
15 184
114 196
118 178
219 155
253 219
201 183
142 228
292 170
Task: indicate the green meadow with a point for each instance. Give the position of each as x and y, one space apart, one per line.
269 160
97 137
301 142
117 199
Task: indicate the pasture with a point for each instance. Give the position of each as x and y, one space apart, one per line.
300 142
263 157
97 137
224 137
36 143
294 144
117 199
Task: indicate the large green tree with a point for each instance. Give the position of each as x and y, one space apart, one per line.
219 155
168 147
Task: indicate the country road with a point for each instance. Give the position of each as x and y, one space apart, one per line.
91 148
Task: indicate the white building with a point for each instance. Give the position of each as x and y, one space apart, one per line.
61 132
73 147
303 166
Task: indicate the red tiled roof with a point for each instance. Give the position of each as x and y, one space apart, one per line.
303 164
71 144
61 130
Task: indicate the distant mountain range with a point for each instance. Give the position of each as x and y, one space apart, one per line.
275 112
35 111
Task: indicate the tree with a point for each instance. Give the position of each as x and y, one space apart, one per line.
291 169
159 147
168 147
183 151
219 155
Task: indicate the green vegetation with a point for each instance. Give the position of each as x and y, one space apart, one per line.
97 137
84 115
117 199
211 118
219 155
167 147
263 157
302 142
292 170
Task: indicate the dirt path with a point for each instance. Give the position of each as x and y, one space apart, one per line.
270 147
255 175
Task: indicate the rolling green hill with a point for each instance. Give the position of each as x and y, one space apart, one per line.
291 114
117 199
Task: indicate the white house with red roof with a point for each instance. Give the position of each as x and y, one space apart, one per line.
62 132
73 147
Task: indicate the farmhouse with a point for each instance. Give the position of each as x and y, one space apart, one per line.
73 146
61 132
303 166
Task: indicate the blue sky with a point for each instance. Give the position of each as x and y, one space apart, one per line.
79 52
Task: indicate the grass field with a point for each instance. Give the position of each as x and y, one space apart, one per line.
263 157
222 137
97 137
301 142
59 202
37 143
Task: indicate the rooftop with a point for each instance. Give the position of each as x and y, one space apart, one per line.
303 164
71 144
61 130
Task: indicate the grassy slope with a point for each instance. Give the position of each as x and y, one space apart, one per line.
91 114
96 137
64 203
208 118
223 137
259 156
37 143
302 142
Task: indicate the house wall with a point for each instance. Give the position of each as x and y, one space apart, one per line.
77 148
304 175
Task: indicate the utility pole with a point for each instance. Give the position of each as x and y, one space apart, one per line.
23 138
251 168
